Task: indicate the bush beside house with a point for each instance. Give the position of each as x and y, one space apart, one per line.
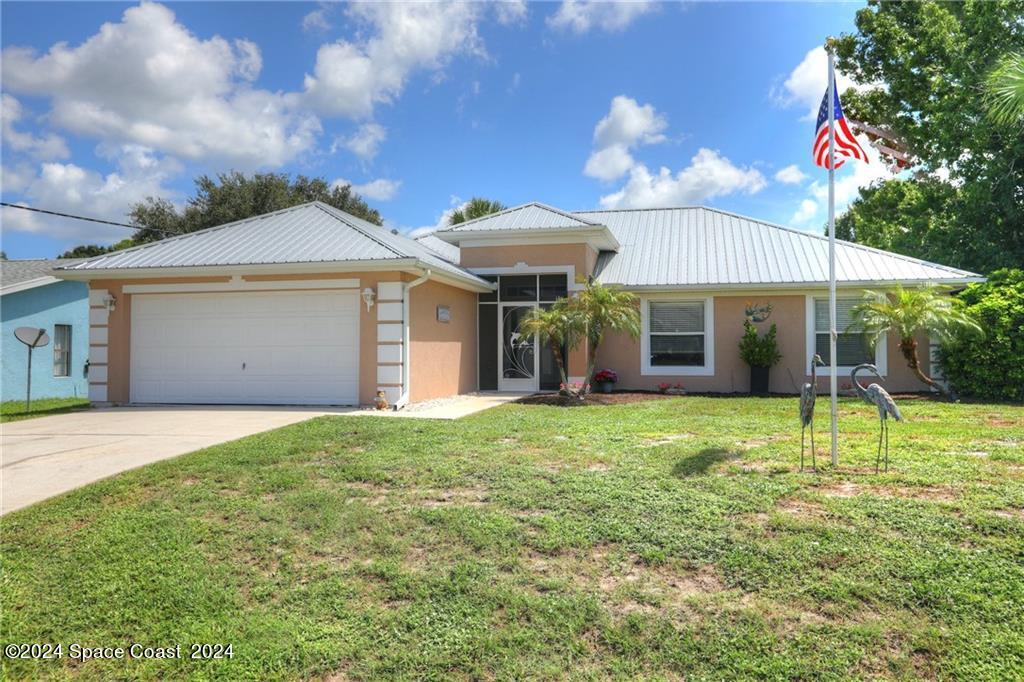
990 366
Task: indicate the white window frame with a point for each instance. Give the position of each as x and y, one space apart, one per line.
708 369
881 356
66 351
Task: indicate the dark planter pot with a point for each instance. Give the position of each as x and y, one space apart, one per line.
759 380
606 386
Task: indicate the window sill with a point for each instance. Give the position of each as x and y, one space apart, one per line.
676 371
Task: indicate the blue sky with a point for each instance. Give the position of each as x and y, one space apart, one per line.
577 104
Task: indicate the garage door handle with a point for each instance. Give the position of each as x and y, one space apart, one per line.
243 365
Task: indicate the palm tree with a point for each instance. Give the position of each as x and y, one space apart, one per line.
558 326
605 310
908 312
1004 90
477 207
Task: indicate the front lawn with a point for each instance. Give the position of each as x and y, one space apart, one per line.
668 538
14 410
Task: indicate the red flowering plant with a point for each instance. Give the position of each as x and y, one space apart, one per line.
663 387
606 376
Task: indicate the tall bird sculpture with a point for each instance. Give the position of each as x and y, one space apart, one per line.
880 398
808 394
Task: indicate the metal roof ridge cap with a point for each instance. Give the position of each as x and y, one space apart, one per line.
330 210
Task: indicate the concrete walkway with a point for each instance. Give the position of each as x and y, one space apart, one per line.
47 456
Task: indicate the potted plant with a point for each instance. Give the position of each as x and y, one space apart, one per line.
606 378
760 352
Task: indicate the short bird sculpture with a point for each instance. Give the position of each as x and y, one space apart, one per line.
880 398
808 394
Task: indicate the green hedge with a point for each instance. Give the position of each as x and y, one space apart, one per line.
990 366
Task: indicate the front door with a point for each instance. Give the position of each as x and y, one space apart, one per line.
517 359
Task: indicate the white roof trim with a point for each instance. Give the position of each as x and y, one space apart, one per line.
28 284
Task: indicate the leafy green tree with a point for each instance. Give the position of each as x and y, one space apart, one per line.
930 61
236 196
477 207
1005 90
907 313
990 367
913 217
559 326
601 309
91 250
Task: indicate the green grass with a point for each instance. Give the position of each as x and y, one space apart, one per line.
14 410
666 539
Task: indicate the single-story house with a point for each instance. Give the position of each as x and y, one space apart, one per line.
310 305
30 296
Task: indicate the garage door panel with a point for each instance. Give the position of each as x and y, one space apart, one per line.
297 347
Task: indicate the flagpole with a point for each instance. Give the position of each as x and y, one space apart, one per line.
833 379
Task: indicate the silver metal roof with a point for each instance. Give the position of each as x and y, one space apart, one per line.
697 246
309 233
21 272
449 252
532 216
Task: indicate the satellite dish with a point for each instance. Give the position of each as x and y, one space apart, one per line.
32 337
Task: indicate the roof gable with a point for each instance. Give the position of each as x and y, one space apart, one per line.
697 246
532 216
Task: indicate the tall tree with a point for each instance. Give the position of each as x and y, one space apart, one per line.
477 207
236 196
91 250
930 61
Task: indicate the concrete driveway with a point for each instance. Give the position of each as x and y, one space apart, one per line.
50 455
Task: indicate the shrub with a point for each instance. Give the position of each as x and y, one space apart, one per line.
990 366
759 351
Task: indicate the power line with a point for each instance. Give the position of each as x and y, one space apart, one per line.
91 220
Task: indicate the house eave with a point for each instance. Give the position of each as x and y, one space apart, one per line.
600 237
410 265
28 284
789 286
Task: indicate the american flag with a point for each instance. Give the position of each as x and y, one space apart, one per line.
846 144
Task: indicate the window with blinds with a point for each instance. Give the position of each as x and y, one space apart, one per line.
62 350
851 348
676 333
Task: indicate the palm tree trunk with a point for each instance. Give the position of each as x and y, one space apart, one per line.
556 347
908 348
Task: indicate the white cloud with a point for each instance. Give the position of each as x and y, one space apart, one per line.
580 16
517 80
609 163
350 78
69 188
380 189
806 84
808 209
709 175
148 80
443 219
626 126
316 21
791 175
365 141
43 147
510 11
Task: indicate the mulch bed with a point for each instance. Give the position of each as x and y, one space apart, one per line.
614 398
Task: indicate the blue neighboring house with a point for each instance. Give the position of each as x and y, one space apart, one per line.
30 296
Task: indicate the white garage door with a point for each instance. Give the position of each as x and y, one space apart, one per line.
282 347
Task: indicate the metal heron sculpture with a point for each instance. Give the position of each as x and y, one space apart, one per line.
808 394
880 398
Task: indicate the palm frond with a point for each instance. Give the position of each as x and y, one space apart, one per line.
1004 90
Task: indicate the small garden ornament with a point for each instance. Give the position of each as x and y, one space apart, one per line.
808 394
880 398
381 402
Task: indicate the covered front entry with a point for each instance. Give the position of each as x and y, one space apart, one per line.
510 360
265 347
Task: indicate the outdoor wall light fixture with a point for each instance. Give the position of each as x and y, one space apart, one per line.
110 302
368 296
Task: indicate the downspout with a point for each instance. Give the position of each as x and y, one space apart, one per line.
404 399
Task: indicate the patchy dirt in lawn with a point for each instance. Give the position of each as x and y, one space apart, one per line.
453 497
664 440
848 489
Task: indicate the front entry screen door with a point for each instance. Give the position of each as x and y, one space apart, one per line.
518 351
